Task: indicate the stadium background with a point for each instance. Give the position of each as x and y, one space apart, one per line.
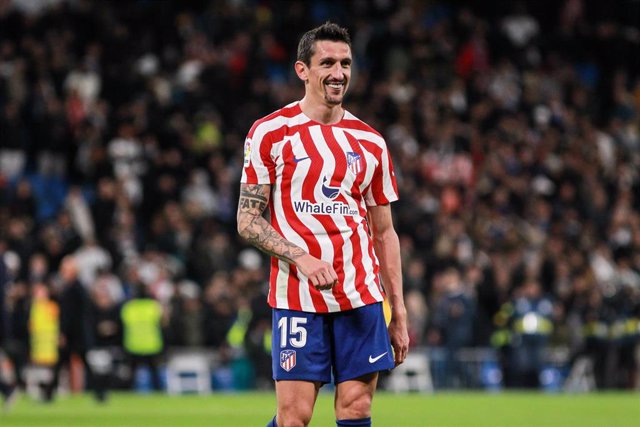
514 128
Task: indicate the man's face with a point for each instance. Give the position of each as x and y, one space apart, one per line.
329 72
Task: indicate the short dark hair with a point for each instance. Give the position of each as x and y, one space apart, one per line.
326 31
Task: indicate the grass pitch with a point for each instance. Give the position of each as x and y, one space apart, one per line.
390 410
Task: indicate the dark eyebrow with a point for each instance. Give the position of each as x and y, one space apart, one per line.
333 59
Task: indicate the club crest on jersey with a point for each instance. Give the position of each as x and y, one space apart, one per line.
354 162
288 359
247 152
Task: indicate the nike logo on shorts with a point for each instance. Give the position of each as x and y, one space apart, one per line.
296 159
375 359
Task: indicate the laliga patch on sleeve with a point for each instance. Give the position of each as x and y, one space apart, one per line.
247 152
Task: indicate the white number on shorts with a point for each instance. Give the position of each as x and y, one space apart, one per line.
296 333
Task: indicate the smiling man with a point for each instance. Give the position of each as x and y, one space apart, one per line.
328 182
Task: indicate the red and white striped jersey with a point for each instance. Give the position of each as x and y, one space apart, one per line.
322 179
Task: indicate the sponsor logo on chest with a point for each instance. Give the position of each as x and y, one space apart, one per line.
329 207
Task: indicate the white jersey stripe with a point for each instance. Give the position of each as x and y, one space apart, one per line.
305 295
281 284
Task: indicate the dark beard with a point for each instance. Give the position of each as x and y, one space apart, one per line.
330 100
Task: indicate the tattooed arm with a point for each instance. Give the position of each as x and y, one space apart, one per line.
257 231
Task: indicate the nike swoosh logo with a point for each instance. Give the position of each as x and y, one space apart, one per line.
295 159
375 359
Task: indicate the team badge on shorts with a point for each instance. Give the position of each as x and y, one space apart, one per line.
288 359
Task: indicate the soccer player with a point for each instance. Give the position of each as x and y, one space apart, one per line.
328 181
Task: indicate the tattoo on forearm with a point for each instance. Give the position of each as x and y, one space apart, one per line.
262 235
251 203
251 198
256 230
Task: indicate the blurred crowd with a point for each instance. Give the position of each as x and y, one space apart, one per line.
514 128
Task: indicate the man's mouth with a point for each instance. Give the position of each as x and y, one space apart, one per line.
335 85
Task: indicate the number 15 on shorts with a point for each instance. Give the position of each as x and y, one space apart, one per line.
292 330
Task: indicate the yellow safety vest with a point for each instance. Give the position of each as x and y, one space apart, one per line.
595 329
533 323
237 332
44 332
142 329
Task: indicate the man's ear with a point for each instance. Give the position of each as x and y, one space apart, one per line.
301 71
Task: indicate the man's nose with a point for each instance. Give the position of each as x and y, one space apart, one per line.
337 72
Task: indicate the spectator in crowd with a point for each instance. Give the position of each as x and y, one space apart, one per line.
142 330
528 321
44 338
16 344
220 307
186 318
7 384
104 340
452 326
74 304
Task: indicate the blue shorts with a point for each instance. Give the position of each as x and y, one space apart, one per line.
313 346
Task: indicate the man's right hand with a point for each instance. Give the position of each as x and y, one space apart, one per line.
320 273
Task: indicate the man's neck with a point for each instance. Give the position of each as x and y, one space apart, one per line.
321 112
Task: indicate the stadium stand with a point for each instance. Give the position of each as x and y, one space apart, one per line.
514 129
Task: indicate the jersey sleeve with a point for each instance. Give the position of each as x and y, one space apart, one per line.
383 188
259 167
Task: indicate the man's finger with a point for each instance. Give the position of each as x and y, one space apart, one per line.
314 281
